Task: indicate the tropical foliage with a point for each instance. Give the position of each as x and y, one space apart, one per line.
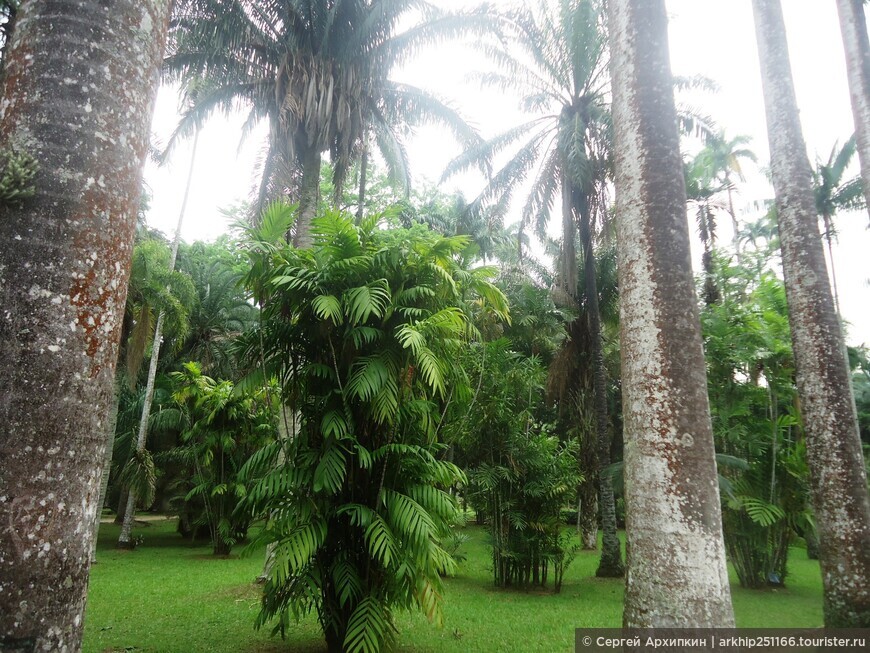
221 429
756 423
364 331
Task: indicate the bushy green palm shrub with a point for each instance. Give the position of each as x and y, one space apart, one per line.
221 428
365 330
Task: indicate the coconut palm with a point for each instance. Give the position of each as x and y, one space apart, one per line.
838 479
677 576
62 292
556 59
318 73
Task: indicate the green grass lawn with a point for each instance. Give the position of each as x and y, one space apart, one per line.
169 596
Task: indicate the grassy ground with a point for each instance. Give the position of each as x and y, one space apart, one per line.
168 596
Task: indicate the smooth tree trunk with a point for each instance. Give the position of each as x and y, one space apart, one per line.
838 483
610 565
676 574
125 539
78 94
853 26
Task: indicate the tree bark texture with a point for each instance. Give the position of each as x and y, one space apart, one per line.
676 574
838 483
853 26
309 195
78 94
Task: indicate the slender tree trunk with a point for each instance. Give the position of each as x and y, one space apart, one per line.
838 482
853 26
676 574
78 94
309 196
125 540
111 426
610 565
363 174
735 240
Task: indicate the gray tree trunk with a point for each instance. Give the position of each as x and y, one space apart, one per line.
309 196
838 483
853 26
676 574
125 540
78 94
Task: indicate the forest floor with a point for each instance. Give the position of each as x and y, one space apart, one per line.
172 596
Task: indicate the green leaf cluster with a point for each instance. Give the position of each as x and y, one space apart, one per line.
365 330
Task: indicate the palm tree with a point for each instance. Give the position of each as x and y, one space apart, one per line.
360 504
152 290
62 289
853 26
557 60
833 194
125 540
721 156
676 556
837 477
701 191
318 72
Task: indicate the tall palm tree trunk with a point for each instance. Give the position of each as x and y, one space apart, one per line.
81 101
610 564
853 26
309 195
838 482
125 540
676 574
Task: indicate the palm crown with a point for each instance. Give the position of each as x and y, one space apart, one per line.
318 72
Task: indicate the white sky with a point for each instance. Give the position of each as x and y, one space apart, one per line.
711 37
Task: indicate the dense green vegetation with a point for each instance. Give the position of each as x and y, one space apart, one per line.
374 416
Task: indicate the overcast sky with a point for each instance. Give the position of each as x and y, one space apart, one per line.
711 37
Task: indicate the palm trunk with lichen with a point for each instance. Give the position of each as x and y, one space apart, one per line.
82 98
838 483
676 574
